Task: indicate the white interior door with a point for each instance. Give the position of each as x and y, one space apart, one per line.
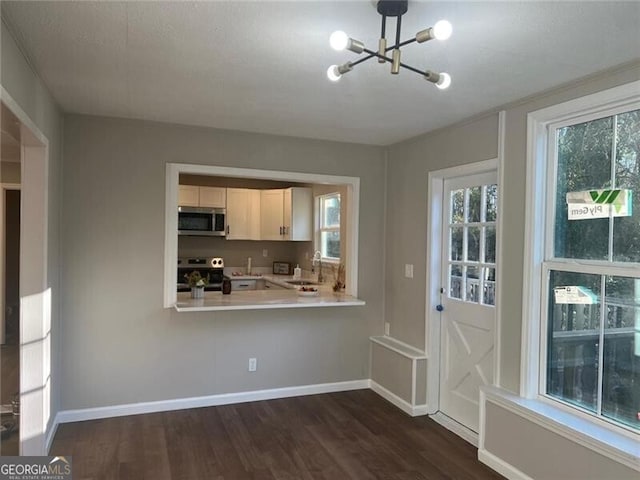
468 294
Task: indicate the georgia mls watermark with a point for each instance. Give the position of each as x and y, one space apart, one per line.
35 468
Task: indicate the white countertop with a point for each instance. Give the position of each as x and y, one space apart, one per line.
260 300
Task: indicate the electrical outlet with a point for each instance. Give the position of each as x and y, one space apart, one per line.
387 328
265 253
253 364
408 270
306 255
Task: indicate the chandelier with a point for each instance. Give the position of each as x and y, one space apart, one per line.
390 8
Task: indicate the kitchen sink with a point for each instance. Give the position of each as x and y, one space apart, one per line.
300 282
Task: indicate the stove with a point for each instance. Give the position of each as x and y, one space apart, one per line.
212 267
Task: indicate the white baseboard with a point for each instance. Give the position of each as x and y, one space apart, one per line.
455 427
503 468
67 416
403 405
51 433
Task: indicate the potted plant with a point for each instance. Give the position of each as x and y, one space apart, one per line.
197 283
338 279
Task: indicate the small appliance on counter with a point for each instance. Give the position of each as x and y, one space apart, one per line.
281 268
211 267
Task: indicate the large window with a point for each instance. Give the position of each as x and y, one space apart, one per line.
329 226
590 331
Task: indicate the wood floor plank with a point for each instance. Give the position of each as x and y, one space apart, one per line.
347 435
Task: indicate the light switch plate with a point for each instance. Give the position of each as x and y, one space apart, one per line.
408 270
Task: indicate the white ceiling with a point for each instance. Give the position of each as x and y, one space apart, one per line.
260 66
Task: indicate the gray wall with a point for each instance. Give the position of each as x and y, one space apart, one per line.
26 89
119 345
547 455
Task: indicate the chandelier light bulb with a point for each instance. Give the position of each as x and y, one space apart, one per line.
444 82
333 74
338 40
442 30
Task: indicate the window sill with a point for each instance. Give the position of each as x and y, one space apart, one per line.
605 441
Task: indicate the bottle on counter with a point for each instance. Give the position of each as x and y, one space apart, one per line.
249 266
226 286
297 272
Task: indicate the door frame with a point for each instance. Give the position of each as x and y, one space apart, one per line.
433 320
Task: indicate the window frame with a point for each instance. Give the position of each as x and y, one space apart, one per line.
539 220
319 211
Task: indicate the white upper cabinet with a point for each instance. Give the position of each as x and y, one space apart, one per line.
287 214
214 197
188 196
271 214
243 214
194 196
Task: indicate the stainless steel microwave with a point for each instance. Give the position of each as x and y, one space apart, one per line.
201 221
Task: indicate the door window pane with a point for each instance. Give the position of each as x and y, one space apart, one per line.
472 282
456 243
475 200
455 281
473 244
457 206
491 203
490 244
489 288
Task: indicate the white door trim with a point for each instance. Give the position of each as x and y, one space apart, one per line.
436 180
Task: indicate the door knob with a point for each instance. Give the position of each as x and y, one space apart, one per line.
439 308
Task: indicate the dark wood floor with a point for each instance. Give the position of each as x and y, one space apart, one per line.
349 435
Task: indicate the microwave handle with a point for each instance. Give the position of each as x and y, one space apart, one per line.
227 229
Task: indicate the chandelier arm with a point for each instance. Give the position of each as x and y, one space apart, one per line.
401 44
384 26
409 67
376 54
364 59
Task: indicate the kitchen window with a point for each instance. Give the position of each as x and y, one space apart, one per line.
581 347
328 231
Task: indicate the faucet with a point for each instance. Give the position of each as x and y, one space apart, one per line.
317 260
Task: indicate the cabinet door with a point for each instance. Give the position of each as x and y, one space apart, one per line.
271 214
299 214
243 214
214 197
188 196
